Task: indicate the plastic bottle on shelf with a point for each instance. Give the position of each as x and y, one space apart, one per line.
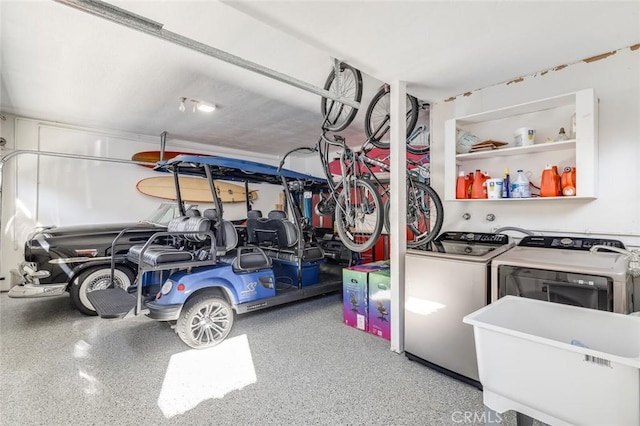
506 184
462 186
568 181
520 186
558 180
478 189
548 183
562 136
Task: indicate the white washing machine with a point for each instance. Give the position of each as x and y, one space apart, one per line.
443 283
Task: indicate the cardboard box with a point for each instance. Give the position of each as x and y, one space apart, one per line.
355 293
380 303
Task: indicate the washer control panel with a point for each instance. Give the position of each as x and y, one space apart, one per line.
474 237
568 243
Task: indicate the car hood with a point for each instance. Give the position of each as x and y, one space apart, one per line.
57 231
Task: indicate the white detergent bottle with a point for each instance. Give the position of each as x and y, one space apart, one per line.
520 186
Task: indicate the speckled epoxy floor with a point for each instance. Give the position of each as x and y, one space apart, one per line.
59 367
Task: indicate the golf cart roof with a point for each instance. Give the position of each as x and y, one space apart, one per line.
236 170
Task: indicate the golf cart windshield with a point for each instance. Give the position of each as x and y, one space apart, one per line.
165 212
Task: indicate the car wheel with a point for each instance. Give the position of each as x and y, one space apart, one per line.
97 279
205 321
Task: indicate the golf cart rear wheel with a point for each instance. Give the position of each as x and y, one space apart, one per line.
205 321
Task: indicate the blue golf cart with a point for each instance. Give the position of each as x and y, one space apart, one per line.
198 273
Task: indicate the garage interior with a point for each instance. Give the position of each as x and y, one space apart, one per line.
75 85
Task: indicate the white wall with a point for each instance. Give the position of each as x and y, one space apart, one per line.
45 190
616 211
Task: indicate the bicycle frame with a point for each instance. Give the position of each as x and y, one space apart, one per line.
422 201
352 164
347 168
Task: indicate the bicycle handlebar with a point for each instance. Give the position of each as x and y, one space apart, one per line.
337 140
314 149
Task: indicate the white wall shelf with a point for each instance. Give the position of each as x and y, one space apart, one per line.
512 200
546 116
517 150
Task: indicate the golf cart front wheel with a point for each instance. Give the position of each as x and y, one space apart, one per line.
205 321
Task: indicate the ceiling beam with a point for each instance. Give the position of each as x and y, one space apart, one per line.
148 26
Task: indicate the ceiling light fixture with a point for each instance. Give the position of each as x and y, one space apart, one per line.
196 105
206 107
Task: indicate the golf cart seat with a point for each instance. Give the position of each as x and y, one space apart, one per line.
241 259
276 231
246 259
157 254
278 238
188 234
227 240
253 218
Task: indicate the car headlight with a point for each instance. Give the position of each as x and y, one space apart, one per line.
166 287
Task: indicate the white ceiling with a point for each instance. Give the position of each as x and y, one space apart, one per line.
61 64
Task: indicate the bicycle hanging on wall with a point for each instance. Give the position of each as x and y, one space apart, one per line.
356 195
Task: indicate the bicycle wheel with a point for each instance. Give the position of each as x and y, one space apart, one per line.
359 221
424 214
376 120
338 116
387 220
419 141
